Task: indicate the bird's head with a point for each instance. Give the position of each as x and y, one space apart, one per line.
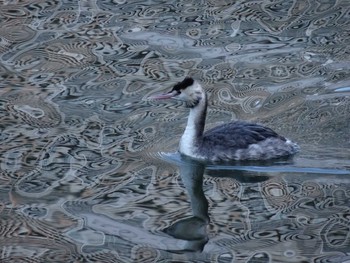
188 91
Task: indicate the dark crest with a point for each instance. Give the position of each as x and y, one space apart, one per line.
188 81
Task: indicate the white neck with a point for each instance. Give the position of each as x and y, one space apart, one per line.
192 135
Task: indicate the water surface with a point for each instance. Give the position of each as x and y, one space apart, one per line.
89 169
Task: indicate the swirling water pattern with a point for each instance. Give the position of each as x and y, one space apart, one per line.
83 177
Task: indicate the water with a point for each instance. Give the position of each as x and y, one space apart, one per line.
89 169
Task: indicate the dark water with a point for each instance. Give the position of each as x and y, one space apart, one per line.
89 170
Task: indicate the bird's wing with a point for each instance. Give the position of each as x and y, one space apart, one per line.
238 134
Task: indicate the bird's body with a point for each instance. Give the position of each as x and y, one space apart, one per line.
237 140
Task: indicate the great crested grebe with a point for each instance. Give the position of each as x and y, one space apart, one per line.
236 140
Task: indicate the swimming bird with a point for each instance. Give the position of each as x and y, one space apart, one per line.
238 140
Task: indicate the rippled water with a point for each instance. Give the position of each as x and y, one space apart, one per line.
89 169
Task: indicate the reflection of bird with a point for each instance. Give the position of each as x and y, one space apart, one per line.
232 141
194 228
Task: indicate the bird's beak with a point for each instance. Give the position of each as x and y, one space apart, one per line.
163 96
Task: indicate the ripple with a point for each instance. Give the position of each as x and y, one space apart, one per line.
34 111
346 89
89 165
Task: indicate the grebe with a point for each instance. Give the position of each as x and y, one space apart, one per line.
237 140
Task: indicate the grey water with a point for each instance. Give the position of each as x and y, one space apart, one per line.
89 169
